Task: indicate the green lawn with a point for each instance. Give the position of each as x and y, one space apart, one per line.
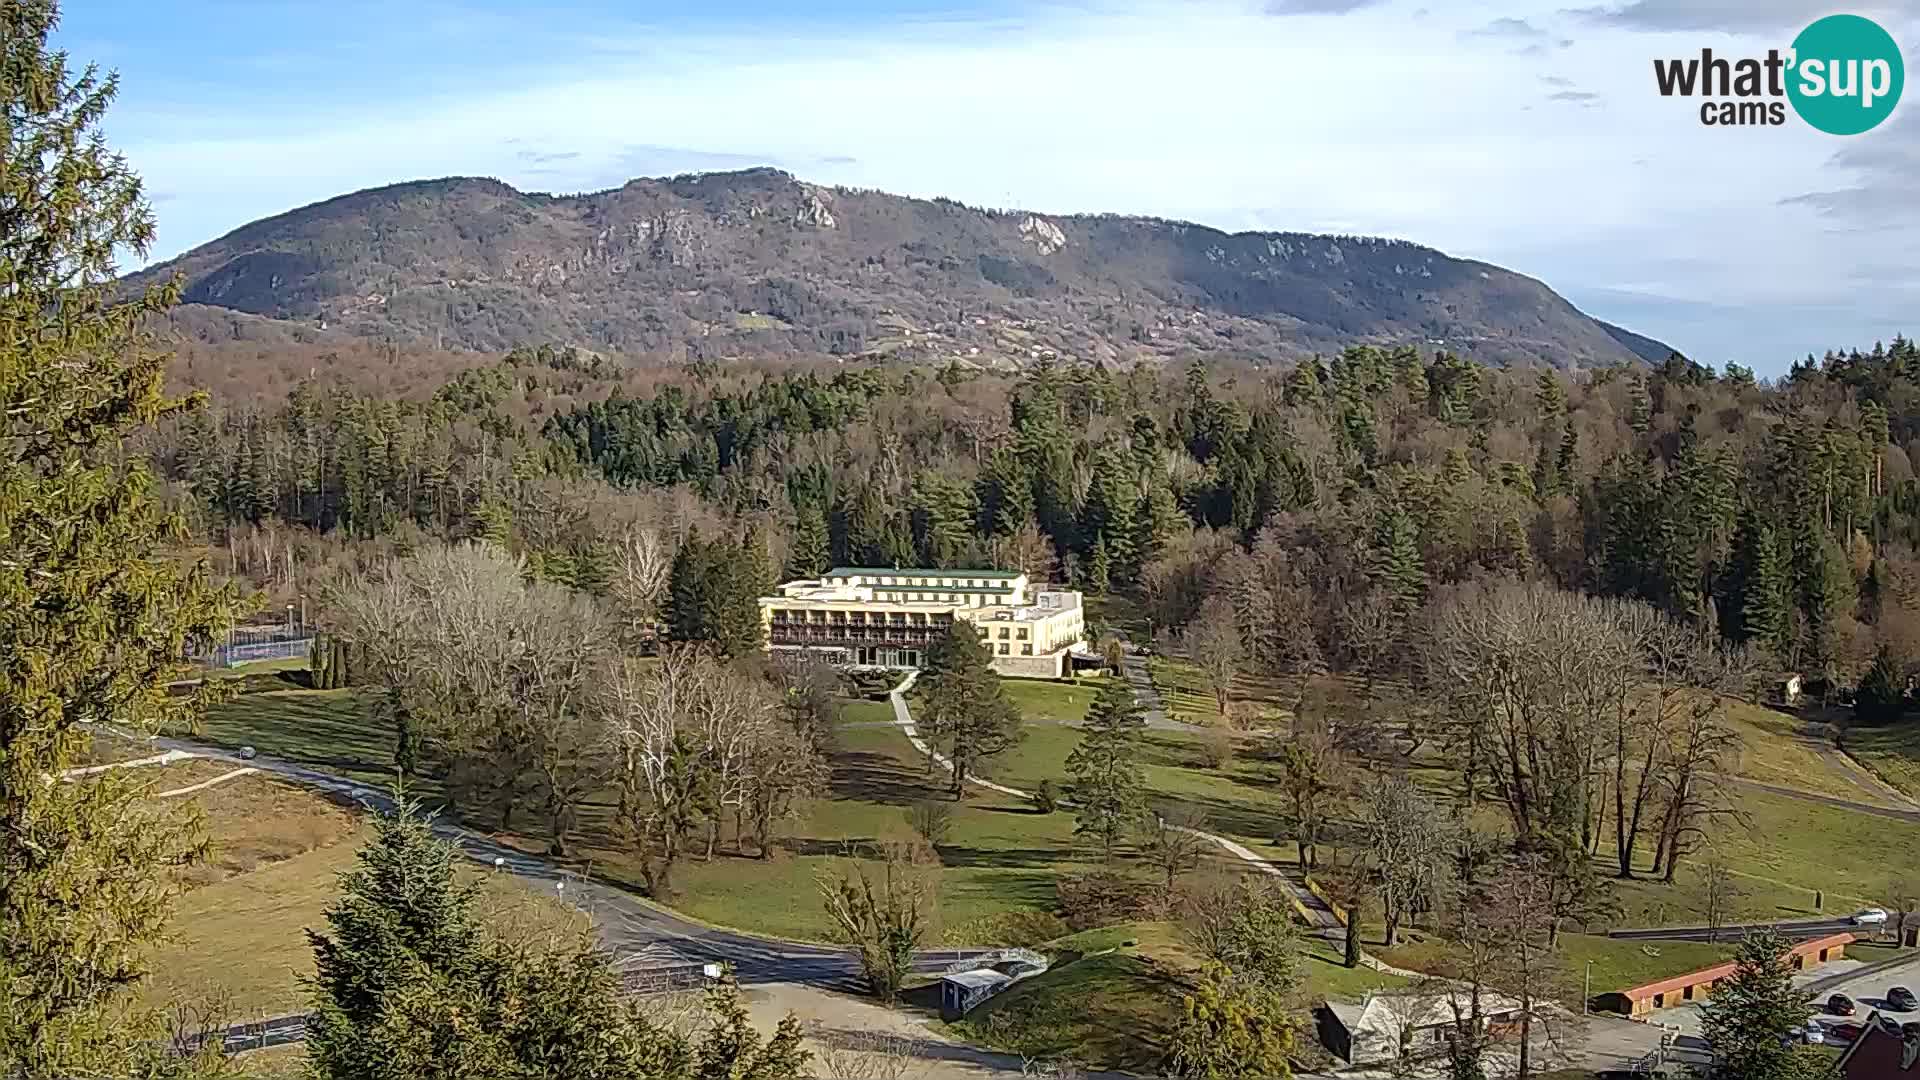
1893 753
1617 964
1104 1003
334 730
1114 993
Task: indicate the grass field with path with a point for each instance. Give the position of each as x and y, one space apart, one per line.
1002 858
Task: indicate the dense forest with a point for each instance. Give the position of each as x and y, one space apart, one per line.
1781 514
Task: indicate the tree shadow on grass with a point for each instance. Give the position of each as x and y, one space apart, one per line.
878 779
1003 858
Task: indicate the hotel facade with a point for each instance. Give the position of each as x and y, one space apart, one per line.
874 617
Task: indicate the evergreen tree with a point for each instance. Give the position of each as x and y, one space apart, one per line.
1569 452
1751 1011
810 555
1005 494
1100 569
96 612
1827 592
1639 404
733 1050
1157 520
1108 521
1882 695
1396 564
1227 1030
397 980
1757 595
407 986
688 581
1105 767
964 710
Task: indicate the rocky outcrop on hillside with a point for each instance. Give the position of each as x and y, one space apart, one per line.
758 263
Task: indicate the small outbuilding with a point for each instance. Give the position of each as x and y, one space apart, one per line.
1389 1026
962 990
1637 1001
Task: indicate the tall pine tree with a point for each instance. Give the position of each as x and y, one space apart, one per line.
963 708
1105 767
96 612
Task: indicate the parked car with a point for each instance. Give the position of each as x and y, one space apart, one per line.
1843 1034
1901 999
1840 1005
1872 916
1812 1033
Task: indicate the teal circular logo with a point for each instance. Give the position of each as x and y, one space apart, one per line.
1846 74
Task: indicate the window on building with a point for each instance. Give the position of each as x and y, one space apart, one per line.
1022 635
1003 648
1026 650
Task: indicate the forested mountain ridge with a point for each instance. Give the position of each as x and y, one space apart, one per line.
757 263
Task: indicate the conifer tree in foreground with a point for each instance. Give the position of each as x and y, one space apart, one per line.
95 616
1751 1013
1105 767
963 708
409 985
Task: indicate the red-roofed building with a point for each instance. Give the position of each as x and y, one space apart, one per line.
1696 985
1881 1053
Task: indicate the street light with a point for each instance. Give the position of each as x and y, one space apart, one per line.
1587 998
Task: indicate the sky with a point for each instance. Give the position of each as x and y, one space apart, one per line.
1524 133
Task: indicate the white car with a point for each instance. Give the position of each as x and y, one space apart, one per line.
1872 916
1813 1034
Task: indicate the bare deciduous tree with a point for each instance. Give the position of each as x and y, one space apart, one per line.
1719 892
642 556
884 911
1411 844
1172 843
1212 642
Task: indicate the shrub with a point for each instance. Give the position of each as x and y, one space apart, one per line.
1104 897
932 819
1216 749
1046 798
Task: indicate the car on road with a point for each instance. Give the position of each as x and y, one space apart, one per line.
1843 1034
1872 916
1811 1033
1840 1005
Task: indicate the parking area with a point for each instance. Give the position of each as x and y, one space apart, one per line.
1868 992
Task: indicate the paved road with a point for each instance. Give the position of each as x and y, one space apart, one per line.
1133 665
1791 928
1912 816
627 923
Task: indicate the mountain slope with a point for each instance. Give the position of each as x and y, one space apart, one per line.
757 262
1646 348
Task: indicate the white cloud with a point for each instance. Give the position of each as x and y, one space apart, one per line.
1207 109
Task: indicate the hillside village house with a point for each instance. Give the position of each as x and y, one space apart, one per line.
872 617
1411 1024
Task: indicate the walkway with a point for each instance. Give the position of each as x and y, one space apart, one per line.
1328 925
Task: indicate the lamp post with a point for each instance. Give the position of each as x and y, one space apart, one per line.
1586 999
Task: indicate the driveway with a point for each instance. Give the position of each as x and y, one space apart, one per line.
637 932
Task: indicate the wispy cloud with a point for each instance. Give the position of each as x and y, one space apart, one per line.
1059 95
1732 16
1318 7
1510 29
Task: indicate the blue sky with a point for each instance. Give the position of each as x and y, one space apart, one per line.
1526 133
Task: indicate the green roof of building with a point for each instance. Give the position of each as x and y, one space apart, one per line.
875 571
946 588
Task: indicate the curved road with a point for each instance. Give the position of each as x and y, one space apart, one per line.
641 936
